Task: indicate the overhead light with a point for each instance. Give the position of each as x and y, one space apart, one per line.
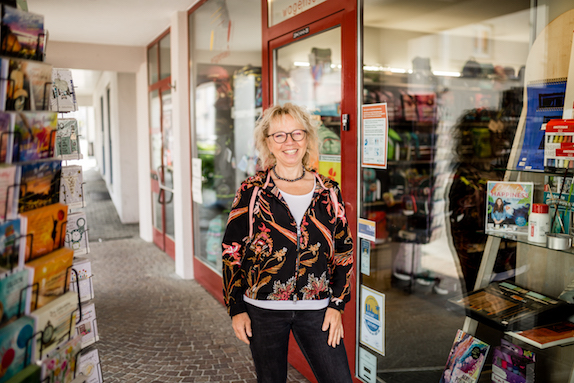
300 63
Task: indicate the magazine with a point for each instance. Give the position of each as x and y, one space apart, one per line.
508 206
465 360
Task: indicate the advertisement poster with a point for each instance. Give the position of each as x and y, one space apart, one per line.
375 135
367 229
367 366
373 319
365 257
196 180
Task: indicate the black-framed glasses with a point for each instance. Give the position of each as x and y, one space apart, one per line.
281 137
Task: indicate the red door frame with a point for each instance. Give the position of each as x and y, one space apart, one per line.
160 239
318 19
344 13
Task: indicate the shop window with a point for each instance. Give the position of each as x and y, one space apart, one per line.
453 92
226 101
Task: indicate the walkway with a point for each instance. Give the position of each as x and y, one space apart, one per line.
154 326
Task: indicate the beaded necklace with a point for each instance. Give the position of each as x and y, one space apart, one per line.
286 179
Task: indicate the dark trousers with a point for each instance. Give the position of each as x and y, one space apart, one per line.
270 342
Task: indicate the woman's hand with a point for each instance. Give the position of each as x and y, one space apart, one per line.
334 323
241 324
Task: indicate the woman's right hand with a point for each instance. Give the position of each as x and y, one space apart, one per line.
241 324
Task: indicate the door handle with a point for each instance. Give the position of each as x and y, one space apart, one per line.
345 122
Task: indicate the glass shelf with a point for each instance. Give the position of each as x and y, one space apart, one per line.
557 172
523 238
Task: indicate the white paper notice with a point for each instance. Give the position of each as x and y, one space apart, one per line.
373 319
196 176
375 135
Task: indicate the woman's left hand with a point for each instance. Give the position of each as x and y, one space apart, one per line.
334 323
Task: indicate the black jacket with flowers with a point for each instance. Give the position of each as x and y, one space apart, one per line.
263 261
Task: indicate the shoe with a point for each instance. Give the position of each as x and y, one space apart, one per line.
401 276
439 290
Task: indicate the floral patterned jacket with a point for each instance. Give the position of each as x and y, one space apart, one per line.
268 260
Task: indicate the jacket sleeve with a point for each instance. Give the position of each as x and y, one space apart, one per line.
342 264
233 246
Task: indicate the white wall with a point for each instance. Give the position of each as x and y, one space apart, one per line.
95 56
122 176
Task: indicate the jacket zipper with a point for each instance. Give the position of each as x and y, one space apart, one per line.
297 263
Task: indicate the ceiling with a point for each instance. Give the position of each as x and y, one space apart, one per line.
115 22
139 22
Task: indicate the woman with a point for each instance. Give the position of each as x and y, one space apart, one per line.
498 214
287 254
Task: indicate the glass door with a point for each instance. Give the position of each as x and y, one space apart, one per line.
161 171
161 145
307 68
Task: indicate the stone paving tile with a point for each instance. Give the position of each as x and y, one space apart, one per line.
154 326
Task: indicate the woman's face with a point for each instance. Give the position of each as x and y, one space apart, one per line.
499 202
290 152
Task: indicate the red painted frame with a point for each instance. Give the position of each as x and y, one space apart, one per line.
320 18
160 239
324 16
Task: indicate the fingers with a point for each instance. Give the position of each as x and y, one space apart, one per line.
241 324
334 323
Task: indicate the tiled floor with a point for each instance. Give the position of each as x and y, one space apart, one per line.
153 325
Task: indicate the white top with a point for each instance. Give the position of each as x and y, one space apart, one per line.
298 204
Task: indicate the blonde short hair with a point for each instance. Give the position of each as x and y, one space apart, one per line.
266 159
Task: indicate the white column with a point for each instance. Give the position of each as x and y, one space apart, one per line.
144 182
182 146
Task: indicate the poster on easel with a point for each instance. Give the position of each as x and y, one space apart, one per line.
569 97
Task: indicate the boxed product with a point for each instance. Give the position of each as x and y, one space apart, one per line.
512 364
559 144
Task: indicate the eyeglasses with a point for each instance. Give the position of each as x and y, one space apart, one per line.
281 137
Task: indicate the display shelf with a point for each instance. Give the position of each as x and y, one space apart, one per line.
523 238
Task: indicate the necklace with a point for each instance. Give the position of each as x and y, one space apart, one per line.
286 179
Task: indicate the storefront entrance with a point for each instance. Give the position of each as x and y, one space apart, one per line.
307 67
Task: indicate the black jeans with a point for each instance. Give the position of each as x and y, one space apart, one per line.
270 342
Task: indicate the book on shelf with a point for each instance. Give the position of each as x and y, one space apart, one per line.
45 230
51 273
15 347
9 181
88 325
22 34
39 185
68 139
83 268
77 233
89 365
54 324
35 135
28 85
11 246
60 365
30 374
509 307
6 136
512 364
71 186
14 295
63 97
465 359
508 206
554 334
